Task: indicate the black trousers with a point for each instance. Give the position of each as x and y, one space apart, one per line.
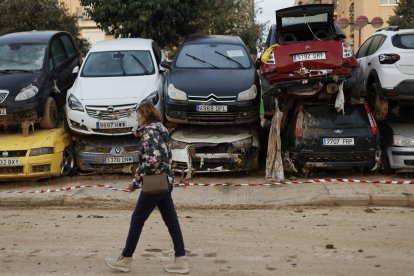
145 205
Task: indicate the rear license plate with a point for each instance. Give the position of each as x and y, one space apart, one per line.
108 125
9 162
338 141
309 56
119 160
211 108
3 111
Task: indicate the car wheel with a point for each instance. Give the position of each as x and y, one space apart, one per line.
385 163
380 106
68 162
50 116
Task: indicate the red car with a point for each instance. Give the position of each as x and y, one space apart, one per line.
308 53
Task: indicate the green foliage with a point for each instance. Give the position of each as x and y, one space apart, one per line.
40 15
404 15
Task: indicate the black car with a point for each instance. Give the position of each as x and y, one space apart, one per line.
212 80
317 136
35 74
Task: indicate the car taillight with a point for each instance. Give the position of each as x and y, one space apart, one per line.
374 127
346 50
388 58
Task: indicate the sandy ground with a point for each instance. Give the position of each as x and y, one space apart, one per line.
286 241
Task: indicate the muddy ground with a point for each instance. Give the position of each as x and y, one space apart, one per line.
285 241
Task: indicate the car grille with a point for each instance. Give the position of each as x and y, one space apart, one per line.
113 130
131 149
211 117
110 168
339 157
11 170
13 153
110 112
3 95
41 168
409 162
212 97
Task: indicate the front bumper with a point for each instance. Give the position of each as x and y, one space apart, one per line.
15 115
401 158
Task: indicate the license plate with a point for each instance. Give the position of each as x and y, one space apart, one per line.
9 162
119 160
338 141
106 125
3 111
211 108
309 56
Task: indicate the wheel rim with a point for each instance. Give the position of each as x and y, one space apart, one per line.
68 162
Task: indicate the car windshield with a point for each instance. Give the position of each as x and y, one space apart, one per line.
217 56
318 18
18 56
325 116
118 63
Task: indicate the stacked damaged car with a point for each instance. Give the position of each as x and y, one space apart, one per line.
212 101
310 74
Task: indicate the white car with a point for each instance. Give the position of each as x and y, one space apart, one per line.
387 61
114 78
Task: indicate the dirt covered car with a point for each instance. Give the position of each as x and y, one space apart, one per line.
305 54
45 153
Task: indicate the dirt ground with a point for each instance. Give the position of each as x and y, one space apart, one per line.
286 241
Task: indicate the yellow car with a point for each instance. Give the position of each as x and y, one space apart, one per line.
44 153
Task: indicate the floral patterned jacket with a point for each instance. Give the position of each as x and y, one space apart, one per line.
154 152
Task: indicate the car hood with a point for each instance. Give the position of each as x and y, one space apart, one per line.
402 129
303 11
14 82
40 138
221 82
109 88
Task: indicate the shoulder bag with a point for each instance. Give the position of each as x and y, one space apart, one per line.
154 184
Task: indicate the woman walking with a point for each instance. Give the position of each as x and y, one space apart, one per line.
155 158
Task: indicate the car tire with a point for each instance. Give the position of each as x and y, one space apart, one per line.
385 164
380 106
50 116
68 162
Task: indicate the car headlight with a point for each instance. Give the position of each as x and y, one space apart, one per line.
152 98
176 94
403 141
26 93
244 143
248 94
74 103
42 151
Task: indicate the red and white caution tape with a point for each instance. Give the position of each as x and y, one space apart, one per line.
190 184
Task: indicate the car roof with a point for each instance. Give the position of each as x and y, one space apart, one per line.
122 44
28 37
393 32
225 39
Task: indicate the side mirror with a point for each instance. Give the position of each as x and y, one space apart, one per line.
75 70
165 64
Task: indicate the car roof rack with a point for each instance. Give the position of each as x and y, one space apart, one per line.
389 28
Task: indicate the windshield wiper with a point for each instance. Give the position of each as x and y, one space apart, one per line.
141 64
201 60
229 58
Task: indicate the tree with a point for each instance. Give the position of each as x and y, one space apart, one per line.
23 15
404 15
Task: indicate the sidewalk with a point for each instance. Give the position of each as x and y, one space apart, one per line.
197 196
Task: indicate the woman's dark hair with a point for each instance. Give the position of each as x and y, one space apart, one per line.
149 113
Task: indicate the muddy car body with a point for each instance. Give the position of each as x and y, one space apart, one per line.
317 136
107 154
308 56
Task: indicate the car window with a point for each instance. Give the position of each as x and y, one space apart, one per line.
58 52
405 41
219 56
68 45
326 116
18 56
118 63
377 41
363 50
317 18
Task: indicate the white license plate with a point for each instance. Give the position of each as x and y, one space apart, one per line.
211 108
3 111
338 141
119 160
106 125
309 56
5 162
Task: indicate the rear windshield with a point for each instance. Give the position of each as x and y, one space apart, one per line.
217 56
405 41
326 116
118 63
22 56
318 18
